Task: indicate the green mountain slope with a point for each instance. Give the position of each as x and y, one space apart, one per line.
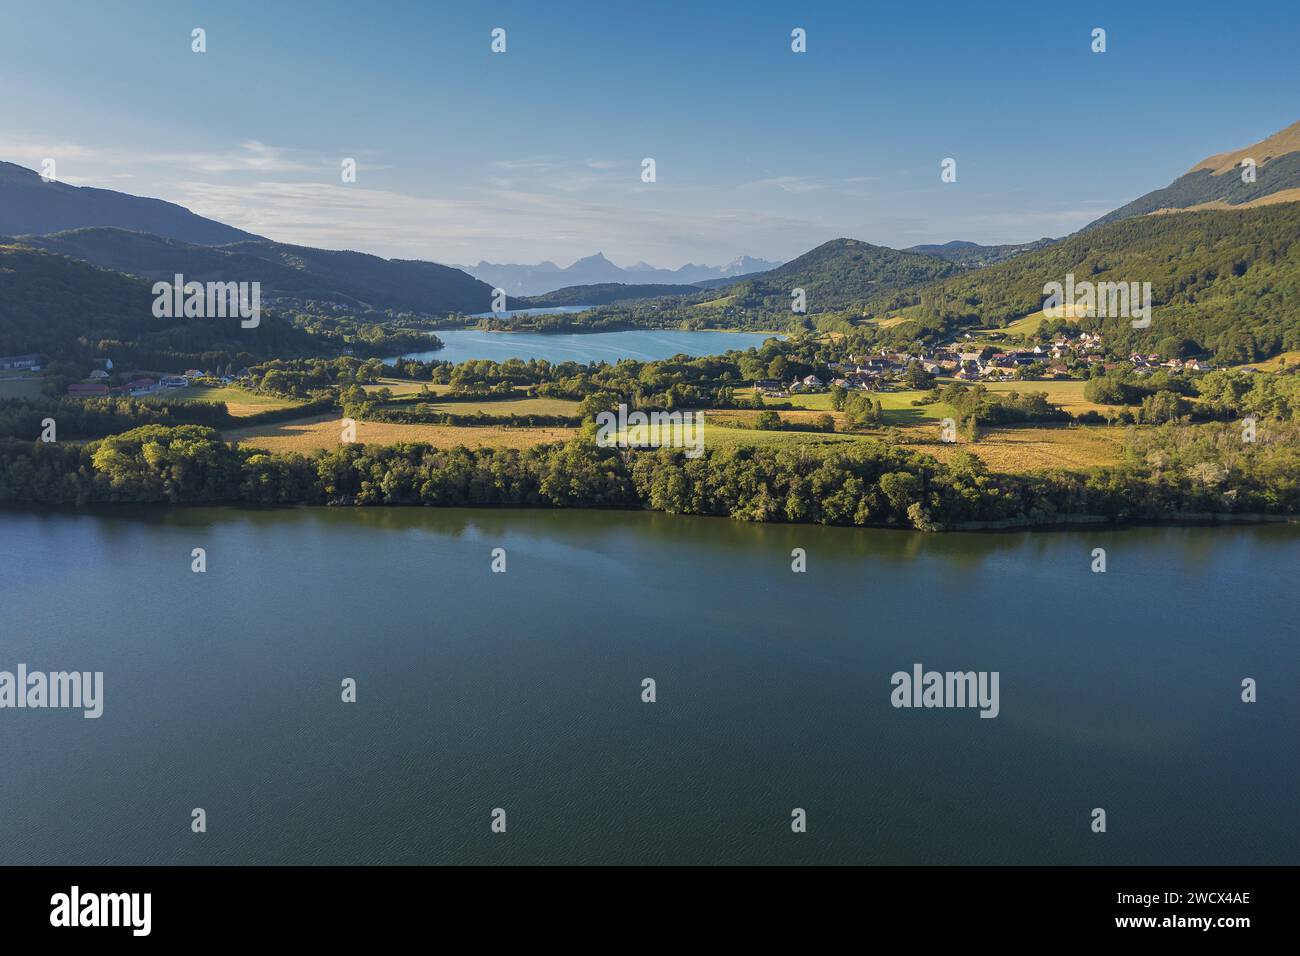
68 309
1227 281
28 204
973 255
386 283
294 272
1218 179
836 275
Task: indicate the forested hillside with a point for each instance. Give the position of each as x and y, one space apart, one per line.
67 309
972 255
836 275
601 294
351 279
1228 282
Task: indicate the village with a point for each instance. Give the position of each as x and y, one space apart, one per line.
1065 357
97 385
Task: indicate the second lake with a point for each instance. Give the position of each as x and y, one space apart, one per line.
644 345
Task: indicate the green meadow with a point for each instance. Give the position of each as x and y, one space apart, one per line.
15 385
239 402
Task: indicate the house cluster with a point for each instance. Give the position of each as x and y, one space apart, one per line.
963 360
1000 366
20 363
1056 358
97 383
869 372
1146 364
775 388
98 387
860 372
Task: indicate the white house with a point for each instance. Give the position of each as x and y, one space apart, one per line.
31 362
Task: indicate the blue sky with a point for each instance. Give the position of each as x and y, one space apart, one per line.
536 153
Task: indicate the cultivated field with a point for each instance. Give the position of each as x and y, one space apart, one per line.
1023 448
900 411
503 409
239 402
403 386
1287 359
897 406
722 437
1067 393
816 401
1028 325
1019 449
17 385
324 432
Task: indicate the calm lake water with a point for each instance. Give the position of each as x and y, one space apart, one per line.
522 691
644 345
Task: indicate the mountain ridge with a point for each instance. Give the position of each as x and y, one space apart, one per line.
974 254
71 309
31 206
1217 181
299 272
838 274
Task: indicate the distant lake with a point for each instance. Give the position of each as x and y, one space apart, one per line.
523 690
644 345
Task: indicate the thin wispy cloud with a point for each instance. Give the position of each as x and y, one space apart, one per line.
797 185
515 164
250 156
524 208
512 223
787 184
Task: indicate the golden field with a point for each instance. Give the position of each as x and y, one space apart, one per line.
306 436
239 402
1024 449
404 386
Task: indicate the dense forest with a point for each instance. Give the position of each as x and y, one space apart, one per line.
972 255
836 275
1174 472
73 312
67 309
98 417
79 419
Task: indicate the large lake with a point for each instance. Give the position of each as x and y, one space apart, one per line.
522 690
644 345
